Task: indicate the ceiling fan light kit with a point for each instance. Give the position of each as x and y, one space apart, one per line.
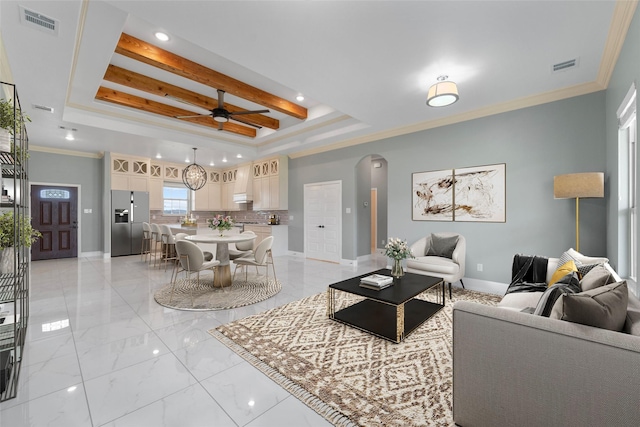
442 93
194 176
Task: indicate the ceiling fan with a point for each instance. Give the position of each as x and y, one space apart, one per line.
222 115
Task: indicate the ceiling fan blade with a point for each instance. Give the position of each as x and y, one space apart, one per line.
191 117
237 113
220 98
246 123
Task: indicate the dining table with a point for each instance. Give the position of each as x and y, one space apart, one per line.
222 274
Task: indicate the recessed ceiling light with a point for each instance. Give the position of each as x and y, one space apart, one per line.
158 156
212 164
239 156
69 137
300 98
186 160
224 160
72 388
163 37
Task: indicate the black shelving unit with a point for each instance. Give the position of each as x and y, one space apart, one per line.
14 283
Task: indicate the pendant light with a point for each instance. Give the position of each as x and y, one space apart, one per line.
194 176
442 93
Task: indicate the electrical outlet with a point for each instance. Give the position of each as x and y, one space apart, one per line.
479 267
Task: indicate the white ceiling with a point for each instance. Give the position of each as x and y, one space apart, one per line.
364 67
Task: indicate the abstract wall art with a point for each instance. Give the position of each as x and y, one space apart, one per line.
475 194
479 194
433 195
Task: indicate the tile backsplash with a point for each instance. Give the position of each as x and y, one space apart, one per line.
238 216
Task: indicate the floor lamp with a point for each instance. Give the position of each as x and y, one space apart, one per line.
576 186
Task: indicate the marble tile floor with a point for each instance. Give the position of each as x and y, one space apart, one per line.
101 352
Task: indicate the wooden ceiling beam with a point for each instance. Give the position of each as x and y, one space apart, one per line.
142 51
138 81
142 104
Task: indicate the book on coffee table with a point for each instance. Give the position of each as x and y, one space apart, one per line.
375 287
376 281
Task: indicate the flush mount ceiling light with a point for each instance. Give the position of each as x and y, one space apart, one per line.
194 176
163 37
442 93
300 98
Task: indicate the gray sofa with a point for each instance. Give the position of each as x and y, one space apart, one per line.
512 368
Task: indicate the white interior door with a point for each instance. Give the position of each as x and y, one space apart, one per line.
323 221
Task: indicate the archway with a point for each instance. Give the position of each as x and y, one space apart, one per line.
371 204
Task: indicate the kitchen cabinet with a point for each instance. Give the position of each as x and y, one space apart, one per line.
156 200
270 184
209 197
129 173
280 235
228 187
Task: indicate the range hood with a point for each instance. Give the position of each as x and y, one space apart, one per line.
243 188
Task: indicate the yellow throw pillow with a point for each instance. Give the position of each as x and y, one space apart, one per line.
566 268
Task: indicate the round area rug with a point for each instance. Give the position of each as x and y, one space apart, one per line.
202 296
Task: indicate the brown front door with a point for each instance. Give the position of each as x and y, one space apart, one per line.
54 212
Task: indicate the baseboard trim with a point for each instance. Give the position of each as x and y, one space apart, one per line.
483 286
91 254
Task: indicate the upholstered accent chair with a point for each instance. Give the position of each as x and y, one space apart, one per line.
439 255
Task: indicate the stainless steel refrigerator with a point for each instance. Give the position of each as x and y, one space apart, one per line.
129 209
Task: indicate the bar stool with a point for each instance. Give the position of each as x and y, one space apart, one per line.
168 245
156 239
146 241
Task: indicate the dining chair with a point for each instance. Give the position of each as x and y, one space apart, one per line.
244 248
261 257
146 241
191 260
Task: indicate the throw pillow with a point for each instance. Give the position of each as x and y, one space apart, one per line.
598 276
564 269
604 307
442 246
583 263
566 284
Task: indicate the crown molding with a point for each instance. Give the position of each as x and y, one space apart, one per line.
620 22
63 152
490 110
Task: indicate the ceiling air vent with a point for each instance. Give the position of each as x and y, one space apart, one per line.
37 20
563 66
43 108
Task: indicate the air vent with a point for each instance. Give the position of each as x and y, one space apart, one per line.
65 128
563 66
43 108
36 20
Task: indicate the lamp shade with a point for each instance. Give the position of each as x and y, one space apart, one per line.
578 185
442 94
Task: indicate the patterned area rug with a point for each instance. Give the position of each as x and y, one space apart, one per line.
202 296
348 376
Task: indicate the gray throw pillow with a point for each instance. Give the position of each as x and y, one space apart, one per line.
604 307
596 277
442 246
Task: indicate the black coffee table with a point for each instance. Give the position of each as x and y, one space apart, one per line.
391 313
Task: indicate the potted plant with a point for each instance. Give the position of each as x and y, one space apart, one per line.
10 121
26 235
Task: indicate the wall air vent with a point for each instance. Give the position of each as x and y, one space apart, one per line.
565 65
37 20
43 108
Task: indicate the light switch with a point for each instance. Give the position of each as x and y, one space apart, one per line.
348 210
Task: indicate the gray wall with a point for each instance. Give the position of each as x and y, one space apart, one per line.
626 72
536 143
83 171
379 180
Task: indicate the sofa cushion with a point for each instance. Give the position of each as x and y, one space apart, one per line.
442 246
603 307
433 264
564 269
596 277
520 300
